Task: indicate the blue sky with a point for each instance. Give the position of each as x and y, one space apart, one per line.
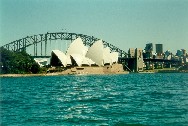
123 23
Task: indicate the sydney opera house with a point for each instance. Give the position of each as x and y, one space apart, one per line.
80 58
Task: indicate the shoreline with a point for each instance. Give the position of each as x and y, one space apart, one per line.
57 74
113 69
80 74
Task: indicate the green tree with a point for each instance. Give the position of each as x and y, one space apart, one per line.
35 68
15 62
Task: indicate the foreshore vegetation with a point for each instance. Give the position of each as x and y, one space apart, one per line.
17 62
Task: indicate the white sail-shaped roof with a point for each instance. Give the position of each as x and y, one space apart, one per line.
85 51
41 62
114 57
95 53
77 47
91 62
87 61
107 55
69 60
78 58
61 56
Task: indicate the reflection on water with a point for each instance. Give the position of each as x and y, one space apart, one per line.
142 99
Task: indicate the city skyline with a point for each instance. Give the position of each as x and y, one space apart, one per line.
125 24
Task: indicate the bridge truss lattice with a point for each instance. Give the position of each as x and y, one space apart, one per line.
42 39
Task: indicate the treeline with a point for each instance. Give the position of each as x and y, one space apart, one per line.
17 62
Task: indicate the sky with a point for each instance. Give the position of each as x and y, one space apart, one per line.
123 23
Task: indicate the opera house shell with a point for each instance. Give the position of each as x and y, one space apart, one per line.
41 62
79 55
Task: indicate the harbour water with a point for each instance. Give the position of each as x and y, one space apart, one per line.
130 99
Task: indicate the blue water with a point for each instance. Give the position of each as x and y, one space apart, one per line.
131 99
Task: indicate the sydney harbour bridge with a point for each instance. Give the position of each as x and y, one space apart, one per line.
41 43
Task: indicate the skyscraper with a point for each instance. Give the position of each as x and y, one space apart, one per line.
149 50
159 49
149 47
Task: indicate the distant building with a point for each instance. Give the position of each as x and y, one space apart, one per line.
168 55
168 52
149 47
159 49
186 60
184 56
184 52
148 51
179 53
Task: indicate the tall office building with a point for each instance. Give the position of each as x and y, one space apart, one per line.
184 52
159 49
148 51
149 47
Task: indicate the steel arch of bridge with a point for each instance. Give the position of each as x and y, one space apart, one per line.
22 44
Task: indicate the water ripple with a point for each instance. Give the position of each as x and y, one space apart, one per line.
133 99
